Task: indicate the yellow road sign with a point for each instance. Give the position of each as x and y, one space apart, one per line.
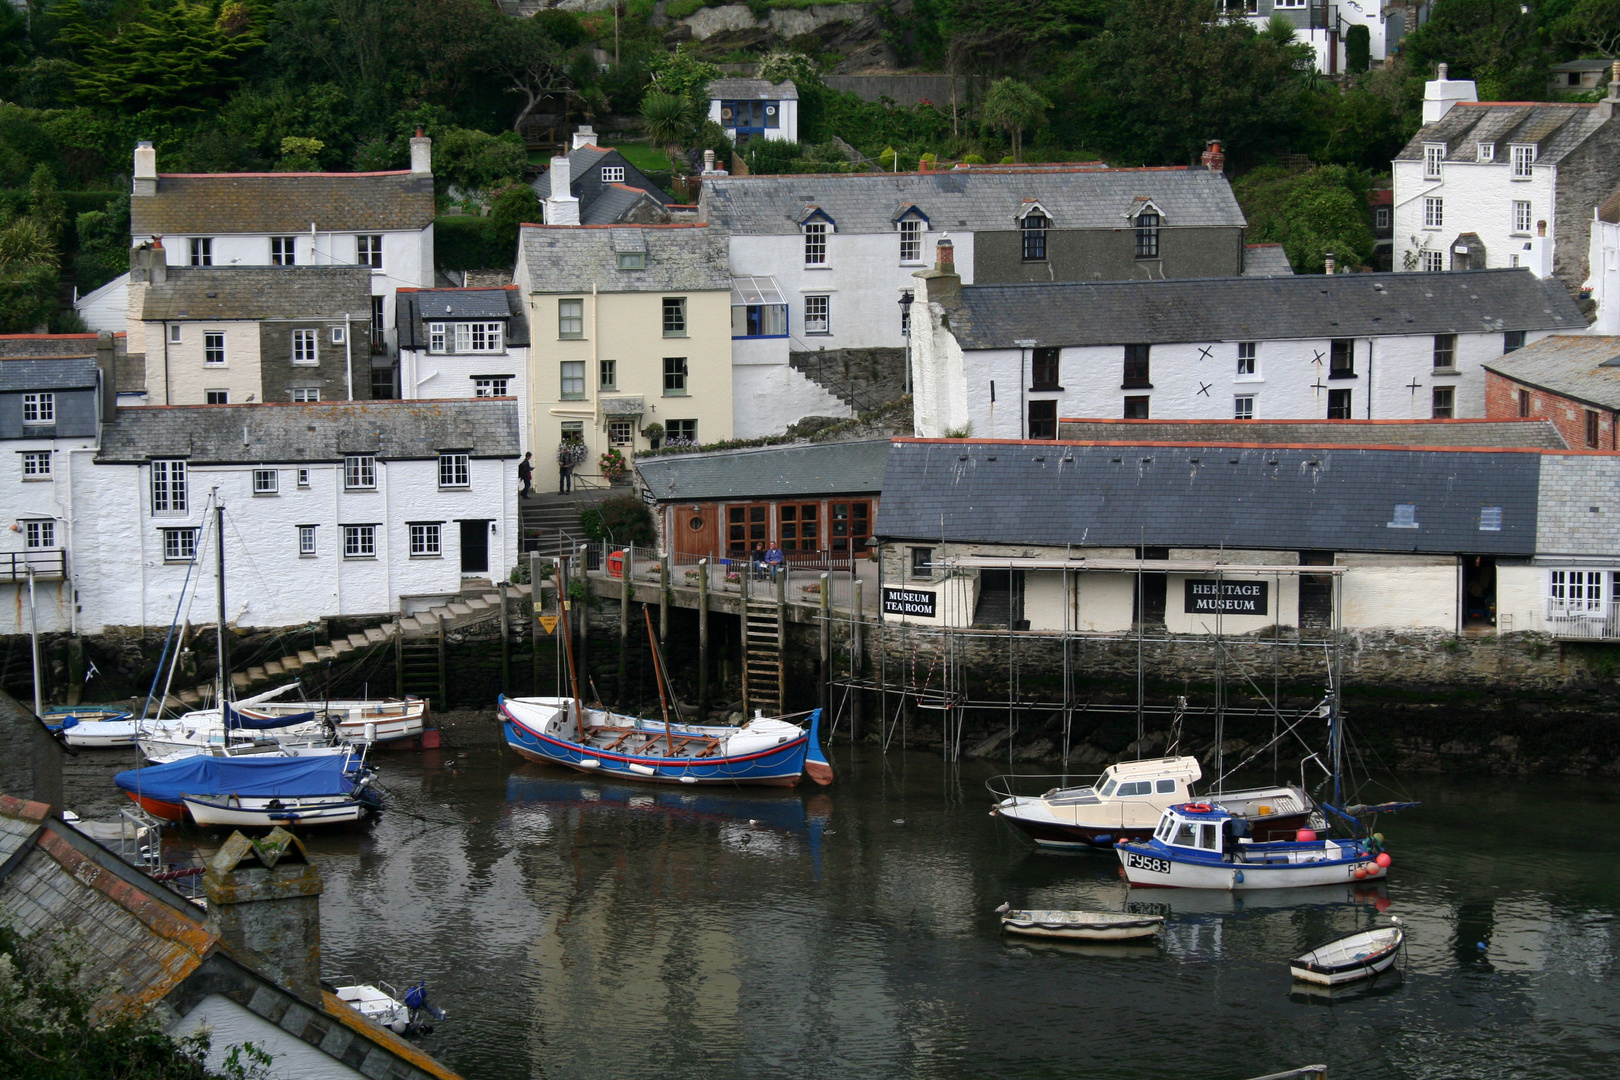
549 622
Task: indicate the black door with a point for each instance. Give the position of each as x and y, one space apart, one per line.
475 547
1316 592
1149 604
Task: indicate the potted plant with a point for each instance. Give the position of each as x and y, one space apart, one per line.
653 433
614 467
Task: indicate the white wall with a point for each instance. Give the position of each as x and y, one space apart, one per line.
1604 276
1187 385
1104 603
1411 591
1351 13
788 117
862 278
186 377
767 395
1478 199
939 374
231 1025
450 375
119 543
22 500
106 308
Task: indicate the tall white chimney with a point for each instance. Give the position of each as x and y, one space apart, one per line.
145 168
421 155
561 206
1442 92
585 136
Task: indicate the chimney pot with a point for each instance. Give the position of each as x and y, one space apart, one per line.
1440 72
1214 160
585 136
1328 264
1541 228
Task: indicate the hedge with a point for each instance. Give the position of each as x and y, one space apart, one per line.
470 243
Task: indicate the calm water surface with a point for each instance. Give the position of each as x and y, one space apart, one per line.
576 928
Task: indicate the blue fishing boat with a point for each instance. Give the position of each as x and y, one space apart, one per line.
254 791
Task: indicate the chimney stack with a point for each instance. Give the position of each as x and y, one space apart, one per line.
107 364
1214 160
264 897
941 284
1328 266
945 256
1607 106
1442 92
585 136
561 206
145 168
421 155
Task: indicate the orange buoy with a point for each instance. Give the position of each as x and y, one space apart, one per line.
1306 836
1383 859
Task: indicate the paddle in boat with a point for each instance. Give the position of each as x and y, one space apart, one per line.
1079 925
1362 955
254 791
1204 846
1126 801
562 731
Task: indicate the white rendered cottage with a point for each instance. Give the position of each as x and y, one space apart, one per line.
1503 184
1008 361
464 343
332 509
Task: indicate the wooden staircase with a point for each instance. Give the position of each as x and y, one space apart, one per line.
253 678
764 633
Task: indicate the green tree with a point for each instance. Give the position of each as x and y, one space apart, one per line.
1591 27
669 121
1014 108
1357 49
103 244
28 266
511 207
1310 213
476 161
680 74
1497 43
533 63
299 154
621 519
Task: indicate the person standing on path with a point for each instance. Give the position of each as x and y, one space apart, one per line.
526 474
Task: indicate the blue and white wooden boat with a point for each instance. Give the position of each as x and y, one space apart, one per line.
764 750
1203 846
91 725
254 791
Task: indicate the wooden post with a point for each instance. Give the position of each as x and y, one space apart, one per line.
535 630
626 591
583 619
399 659
444 675
506 641
855 659
826 646
663 598
703 640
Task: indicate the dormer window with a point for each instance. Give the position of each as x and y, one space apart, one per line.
1523 158
1487 151
1033 228
632 260
1433 155
910 240
815 243
1147 234
613 174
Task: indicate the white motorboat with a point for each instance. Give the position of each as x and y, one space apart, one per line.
1079 925
357 722
1362 955
203 731
237 811
403 1014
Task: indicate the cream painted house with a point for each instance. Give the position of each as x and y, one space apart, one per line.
630 326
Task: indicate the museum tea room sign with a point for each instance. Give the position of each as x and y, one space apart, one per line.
918 602
1206 596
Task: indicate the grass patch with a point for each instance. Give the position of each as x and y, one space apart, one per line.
643 157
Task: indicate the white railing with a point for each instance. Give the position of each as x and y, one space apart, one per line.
1597 622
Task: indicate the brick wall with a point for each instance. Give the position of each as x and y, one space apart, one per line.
1566 414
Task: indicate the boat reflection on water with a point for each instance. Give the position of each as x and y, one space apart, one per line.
1184 902
1139 949
750 822
1381 985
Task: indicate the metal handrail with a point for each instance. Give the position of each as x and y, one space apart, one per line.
47 563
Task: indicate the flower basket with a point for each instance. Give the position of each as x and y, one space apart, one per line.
614 467
733 577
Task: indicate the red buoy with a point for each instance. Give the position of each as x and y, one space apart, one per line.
1306 835
1383 859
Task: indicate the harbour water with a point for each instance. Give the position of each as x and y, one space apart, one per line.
575 928
581 929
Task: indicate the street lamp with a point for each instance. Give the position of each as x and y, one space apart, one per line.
906 299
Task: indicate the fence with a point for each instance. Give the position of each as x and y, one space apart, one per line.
48 564
1599 622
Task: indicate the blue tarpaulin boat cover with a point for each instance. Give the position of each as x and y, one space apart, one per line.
239 720
257 777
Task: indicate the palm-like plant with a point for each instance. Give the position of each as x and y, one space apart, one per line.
1015 108
669 122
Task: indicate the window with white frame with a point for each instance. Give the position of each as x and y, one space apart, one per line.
1523 158
306 539
1245 359
632 260
1434 213
453 471
426 541
174 333
214 348
303 347
303 478
815 243
479 337
1487 151
1490 519
39 408
359 472
39 534
202 251
339 334
265 481
369 251
179 545
436 338
1434 261
571 318
613 174
36 464
1381 217
621 432
1521 216
910 240
1243 407
1576 592
573 379
491 386
169 487
282 250
1433 155
817 315
359 541
216 397
305 394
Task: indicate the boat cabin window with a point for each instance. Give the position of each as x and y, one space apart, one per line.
1166 787
1108 789
1210 840
1186 835
1140 787
1164 829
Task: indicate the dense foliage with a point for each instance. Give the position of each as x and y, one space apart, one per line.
619 519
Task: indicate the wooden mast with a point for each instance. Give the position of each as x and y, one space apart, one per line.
658 676
563 605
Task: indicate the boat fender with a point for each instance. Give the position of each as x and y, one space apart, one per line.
1237 877
1383 859
1305 836
1103 839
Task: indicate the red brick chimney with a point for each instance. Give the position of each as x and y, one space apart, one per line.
1213 159
945 260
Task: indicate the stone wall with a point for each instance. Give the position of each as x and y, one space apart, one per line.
1586 178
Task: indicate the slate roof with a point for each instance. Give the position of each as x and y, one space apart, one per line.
61 373
568 258
1554 129
1075 198
1261 309
298 434
1523 434
215 203
581 161
260 292
17 346
413 308
1609 210
753 90
1266 260
768 473
1584 368
1198 496
614 201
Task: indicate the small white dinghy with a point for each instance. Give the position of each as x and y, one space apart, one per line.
1079 925
1361 955
409 1013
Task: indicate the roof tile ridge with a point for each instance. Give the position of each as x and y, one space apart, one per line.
23 809
153 914
264 175
1214 443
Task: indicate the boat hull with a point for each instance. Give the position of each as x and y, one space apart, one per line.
247 812
777 766
1099 927
158 808
1149 866
1350 959
90 734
